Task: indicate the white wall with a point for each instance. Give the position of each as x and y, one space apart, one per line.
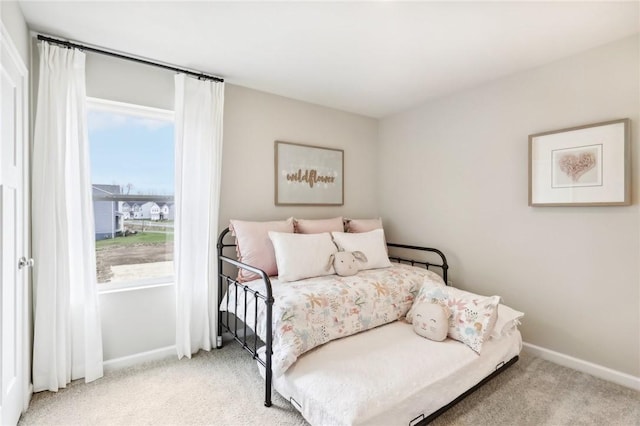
137 321
130 82
15 24
461 162
254 120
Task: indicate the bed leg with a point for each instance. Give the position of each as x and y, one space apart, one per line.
218 342
268 374
267 389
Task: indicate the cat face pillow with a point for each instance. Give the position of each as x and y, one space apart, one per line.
431 320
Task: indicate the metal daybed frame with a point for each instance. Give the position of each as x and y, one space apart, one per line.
228 319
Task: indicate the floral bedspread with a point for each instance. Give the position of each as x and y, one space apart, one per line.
314 311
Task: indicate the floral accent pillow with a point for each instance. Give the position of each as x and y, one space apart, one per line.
472 316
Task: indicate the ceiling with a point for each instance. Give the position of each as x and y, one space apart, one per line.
370 58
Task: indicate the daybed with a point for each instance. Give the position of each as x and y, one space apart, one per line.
340 349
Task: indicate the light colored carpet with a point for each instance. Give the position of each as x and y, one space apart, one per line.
223 387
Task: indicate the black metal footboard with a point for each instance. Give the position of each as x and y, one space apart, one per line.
227 284
228 318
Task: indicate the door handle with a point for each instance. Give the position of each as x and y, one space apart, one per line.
23 262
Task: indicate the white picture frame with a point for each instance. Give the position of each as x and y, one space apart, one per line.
581 166
307 175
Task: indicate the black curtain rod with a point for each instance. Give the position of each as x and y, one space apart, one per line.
68 44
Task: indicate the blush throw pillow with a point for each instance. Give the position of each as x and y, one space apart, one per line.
473 317
300 256
371 243
316 226
363 225
254 247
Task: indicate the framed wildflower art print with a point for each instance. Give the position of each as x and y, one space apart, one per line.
308 175
581 166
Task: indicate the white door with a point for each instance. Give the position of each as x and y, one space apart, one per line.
13 233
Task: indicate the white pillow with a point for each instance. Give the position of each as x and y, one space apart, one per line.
301 256
371 243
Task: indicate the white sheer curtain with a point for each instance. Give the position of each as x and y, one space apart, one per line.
198 136
67 337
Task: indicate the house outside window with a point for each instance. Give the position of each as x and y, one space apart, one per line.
132 174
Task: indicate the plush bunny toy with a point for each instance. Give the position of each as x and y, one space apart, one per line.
431 320
346 262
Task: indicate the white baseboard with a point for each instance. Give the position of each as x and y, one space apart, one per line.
596 370
129 360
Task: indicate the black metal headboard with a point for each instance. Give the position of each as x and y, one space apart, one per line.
444 266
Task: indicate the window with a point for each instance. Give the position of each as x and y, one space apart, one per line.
132 176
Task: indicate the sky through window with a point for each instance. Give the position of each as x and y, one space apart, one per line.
135 152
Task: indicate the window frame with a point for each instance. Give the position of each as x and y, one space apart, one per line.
98 104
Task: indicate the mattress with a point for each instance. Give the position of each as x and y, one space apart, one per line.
387 376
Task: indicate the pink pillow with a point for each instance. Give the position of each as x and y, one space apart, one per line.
317 226
254 246
364 225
